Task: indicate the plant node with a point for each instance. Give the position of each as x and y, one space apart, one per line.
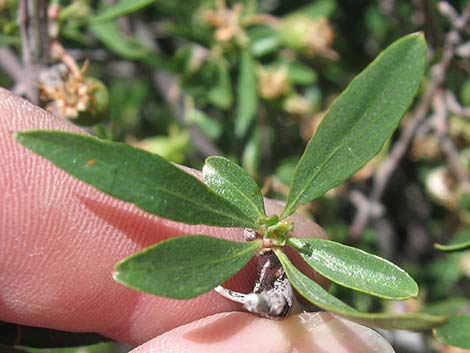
277 234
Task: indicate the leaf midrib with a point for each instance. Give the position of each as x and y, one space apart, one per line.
250 201
38 137
354 124
319 255
181 196
196 264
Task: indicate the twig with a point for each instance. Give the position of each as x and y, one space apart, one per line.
447 145
164 81
386 169
454 106
429 22
35 42
11 64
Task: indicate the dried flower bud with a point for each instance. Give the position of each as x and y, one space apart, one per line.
5 4
309 36
84 100
425 147
297 105
77 10
441 187
459 130
273 82
226 22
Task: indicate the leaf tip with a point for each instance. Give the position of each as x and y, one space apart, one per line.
421 37
419 34
115 275
23 137
18 135
119 275
414 289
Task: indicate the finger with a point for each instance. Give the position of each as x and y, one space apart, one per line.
60 239
241 332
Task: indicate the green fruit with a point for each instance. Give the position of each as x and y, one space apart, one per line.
98 105
294 31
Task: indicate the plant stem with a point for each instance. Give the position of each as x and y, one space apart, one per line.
35 42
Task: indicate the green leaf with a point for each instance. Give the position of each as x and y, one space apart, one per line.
453 247
221 93
252 153
247 94
127 173
264 40
128 47
265 46
184 267
355 268
172 147
316 9
232 183
456 332
210 127
460 242
301 74
316 295
122 8
360 120
453 305
311 290
6 40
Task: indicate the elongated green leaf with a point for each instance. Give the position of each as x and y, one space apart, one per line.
127 173
409 321
456 332
356 269
316 9
449 306
184 267
232 183
460 242
311 290
252 153
6 40
247 104
128 47
121 8
209 126
360 120
265 45
316 295
301 74
453 247
221 93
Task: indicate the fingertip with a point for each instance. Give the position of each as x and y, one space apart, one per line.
326 332
241 332
226 332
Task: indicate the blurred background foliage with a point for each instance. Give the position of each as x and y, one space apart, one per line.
251 80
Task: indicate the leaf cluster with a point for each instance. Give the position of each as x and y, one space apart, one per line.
353 131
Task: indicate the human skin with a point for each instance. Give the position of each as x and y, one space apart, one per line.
59 241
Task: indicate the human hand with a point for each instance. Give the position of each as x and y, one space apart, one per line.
60 239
